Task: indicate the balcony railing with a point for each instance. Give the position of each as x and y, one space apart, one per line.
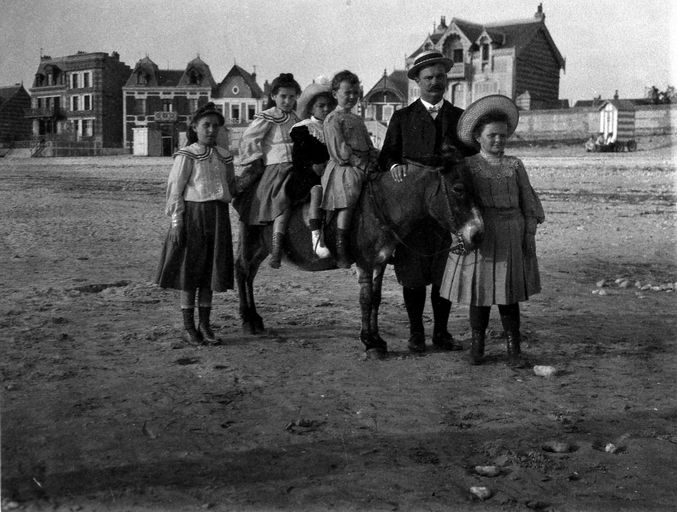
166 117
45 112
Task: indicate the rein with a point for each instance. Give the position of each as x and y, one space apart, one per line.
457 247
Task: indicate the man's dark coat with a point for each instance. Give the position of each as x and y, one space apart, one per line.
414 135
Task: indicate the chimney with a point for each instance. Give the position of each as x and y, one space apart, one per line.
616 94
540 15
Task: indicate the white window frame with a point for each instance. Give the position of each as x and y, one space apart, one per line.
388 111
90 127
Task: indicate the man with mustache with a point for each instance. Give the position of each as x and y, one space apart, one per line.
418 133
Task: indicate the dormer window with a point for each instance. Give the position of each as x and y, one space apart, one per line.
141 78
458 56
485 51
194 78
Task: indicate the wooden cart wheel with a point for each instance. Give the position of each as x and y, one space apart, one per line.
632 145
618 147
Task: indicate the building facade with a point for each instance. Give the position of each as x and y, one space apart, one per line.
382 100
239 96
516 58
14 126
78 99
158 104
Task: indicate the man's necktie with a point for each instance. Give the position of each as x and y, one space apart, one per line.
433 111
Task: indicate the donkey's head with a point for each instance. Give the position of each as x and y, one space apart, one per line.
451 203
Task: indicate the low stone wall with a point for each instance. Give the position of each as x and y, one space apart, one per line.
577 124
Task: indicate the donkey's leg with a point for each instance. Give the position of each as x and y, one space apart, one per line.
259 255
249 257
377 285
364 278
242 272
374 347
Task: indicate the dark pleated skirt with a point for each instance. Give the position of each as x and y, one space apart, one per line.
299 184
206 260
261 203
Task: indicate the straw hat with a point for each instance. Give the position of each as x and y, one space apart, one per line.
320 85
428 58
206 110
481 107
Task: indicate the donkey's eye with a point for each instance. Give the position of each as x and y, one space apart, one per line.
458 189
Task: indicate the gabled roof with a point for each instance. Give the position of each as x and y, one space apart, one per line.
619 104
430 41
249 79
471 30
516 34
7 92
396 82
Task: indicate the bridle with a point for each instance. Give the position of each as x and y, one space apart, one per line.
457 247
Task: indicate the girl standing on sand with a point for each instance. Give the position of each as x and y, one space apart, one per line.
197 256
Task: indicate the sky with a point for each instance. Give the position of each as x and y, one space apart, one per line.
609 45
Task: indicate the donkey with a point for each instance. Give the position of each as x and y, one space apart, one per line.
386 213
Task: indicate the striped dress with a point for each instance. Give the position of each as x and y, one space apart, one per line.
498 271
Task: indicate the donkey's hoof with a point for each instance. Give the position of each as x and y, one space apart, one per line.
375 353
253 328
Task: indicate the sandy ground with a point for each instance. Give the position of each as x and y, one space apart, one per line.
100 412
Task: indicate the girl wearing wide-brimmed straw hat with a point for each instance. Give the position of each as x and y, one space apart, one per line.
310 155
503 270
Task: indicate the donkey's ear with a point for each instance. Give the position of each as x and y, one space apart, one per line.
451 157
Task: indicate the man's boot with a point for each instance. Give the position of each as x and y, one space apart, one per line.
342 242
477 347
276 250
442 338
191 334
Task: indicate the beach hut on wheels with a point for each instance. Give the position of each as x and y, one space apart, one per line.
617 124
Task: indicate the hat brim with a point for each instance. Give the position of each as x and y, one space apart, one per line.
307 97
413 71
478 109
